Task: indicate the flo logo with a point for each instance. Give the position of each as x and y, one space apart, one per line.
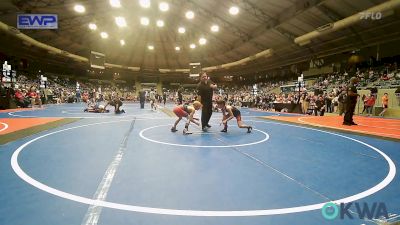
331 211
370 15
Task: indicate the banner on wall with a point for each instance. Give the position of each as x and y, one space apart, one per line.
8 76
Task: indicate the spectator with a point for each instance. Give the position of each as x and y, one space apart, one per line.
320 106
385 104
142 98
34 97
342 102
20 99
370 102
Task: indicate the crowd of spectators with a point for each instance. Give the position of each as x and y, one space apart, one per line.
326 94
31 92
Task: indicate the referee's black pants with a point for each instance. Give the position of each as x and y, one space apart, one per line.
348 116
206 113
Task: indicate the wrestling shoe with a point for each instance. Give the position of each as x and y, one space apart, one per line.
224 130
174 130
249 129
186 132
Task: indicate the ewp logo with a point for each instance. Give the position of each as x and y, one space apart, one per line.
331 211
37 21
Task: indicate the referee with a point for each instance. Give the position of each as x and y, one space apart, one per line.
205 90
351 102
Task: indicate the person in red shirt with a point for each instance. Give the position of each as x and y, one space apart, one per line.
20 99
385 77
369 103
34 97
188 112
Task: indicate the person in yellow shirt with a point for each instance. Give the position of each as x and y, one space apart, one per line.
385 103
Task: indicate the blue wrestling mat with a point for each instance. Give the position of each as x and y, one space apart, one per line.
130 169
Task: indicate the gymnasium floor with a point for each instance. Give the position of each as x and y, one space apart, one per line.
130 169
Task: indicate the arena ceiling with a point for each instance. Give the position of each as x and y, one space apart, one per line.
265 34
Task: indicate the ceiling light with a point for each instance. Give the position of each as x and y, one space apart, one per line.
160 23
150 47
104 35
122 42
163 6
192 46
234 10
177 48
181 30
79 8
120 21
92 26
189 15
144 3
214 28
202 41
144 21
115 3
